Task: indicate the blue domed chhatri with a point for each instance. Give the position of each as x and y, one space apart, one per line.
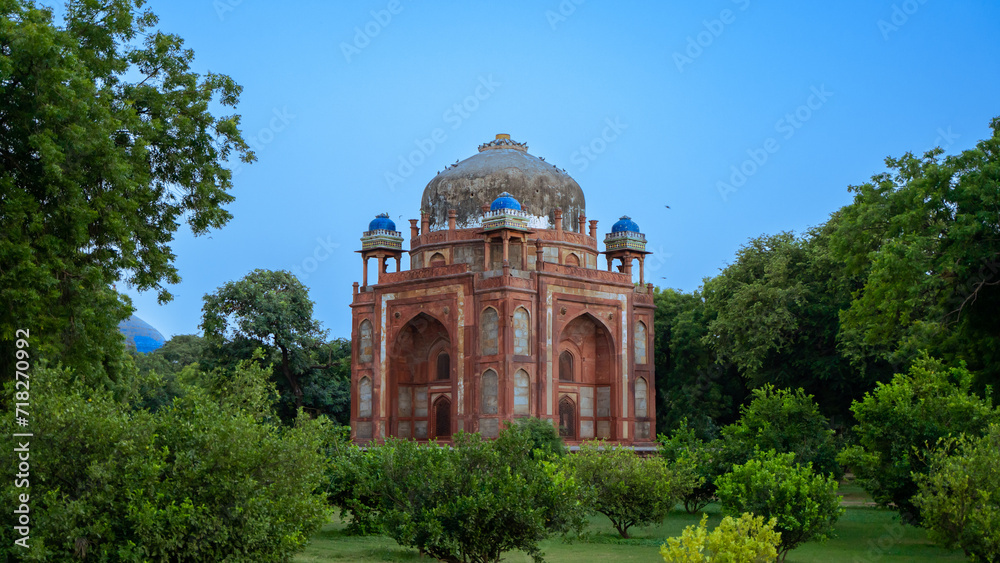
505 201
140 335
382 222
625 225
382 233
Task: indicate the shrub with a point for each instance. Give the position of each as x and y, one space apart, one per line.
543 436
897 421
959 497
473 502
804 503
352 475
744 540
784 421
203 479
628 489
706 460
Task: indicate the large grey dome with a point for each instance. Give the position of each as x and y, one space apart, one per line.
500 166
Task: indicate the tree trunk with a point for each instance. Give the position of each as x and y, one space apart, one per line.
293 381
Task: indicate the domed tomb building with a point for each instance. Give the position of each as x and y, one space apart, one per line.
504 312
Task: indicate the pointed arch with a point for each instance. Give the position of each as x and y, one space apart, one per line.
443 365
522 332
641 398
365 397
567 418
566 372
572 259
442 417
489 330
437 259
522 392
488 393
365 338
640 342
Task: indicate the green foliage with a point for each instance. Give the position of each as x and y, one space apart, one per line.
925 239
899 421
747 539
108 145
272 309
784 421
473 502
959 497
706 459
543 436
691 383
628 489
353 476
205 479
805 504
777 320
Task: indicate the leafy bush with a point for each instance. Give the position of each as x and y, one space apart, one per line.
628 489
203 479
543 436
473 502
897 422
784 421
771 485
352 481
959 497
706 460
744 540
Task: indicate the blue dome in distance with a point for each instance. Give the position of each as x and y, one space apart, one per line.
382 222
625 224
505 201
140 335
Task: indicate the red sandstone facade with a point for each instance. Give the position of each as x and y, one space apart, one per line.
500 321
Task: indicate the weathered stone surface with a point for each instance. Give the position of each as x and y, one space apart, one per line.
476 181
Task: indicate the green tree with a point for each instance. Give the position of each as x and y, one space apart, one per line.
543 436
959 497
691 383
747 539
473 502
805 504
778 315
208 478
628 489
899 421
683 447
784 421
272 309
107 145
925 239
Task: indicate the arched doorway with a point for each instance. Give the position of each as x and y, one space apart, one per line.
419 355
567 419
442 418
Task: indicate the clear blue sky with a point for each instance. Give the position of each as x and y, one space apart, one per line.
337 93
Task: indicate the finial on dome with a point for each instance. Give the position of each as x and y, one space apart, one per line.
503 141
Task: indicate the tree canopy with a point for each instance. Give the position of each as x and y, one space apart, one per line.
107 143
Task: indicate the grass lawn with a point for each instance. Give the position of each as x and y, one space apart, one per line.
864 535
